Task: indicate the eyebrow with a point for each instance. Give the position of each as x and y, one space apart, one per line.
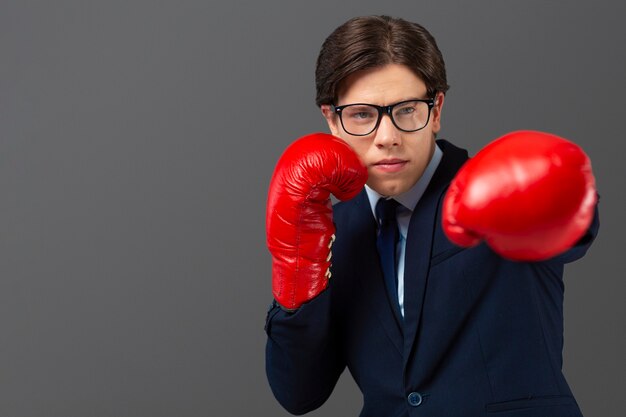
384 105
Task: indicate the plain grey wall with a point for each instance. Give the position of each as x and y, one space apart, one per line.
137 140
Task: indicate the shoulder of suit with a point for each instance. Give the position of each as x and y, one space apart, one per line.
450 149
453 158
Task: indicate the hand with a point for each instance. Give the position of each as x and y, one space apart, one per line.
299 224
529 195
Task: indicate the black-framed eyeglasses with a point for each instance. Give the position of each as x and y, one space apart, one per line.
361 119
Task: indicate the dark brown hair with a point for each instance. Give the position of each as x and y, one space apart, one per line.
373 41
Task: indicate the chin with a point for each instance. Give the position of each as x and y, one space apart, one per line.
388 190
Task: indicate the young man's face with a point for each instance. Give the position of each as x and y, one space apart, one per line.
395 160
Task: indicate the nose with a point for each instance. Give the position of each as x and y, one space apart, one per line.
387 135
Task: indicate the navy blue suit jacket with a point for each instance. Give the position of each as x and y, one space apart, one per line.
481 336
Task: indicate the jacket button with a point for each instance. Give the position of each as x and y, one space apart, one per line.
415 399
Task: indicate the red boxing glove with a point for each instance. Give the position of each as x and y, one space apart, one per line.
529 195
299 222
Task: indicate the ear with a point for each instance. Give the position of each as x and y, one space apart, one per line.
331 118
436 112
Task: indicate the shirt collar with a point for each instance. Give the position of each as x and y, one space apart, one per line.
411 197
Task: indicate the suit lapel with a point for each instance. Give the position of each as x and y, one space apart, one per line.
422 228
369 271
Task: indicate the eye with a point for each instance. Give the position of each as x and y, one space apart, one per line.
405 110
360 113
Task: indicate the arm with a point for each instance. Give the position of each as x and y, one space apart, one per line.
530 195
303 360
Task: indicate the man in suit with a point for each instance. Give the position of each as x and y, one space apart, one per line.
426 327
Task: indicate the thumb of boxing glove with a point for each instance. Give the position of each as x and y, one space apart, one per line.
530 195
299 222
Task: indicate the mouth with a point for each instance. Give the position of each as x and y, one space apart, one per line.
390 165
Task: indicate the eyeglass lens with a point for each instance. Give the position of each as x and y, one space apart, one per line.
361 119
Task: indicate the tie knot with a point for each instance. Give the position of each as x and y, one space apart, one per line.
386 210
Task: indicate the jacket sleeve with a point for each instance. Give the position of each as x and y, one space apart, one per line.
302 359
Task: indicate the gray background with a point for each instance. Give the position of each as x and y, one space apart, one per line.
137 140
